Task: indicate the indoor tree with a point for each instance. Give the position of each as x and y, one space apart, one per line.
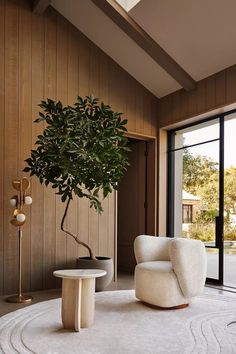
81 151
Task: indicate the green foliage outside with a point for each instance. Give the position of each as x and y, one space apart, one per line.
201 178
204 233
230 233
197 171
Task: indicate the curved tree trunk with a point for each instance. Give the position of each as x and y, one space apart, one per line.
91 255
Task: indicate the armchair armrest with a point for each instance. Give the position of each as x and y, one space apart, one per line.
151 248
189 263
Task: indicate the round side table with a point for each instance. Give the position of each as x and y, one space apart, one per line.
78 289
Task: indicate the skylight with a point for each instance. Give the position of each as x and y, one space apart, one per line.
128 4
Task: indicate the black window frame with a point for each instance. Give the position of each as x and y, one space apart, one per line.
171 188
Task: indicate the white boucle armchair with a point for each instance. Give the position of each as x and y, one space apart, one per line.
170 271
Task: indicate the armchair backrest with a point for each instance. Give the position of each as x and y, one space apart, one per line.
151 248
188 258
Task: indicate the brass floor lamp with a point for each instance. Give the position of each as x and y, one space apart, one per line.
18 220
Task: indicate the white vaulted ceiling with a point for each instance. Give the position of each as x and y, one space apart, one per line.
199 35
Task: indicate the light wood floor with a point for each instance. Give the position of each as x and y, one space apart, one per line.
124 282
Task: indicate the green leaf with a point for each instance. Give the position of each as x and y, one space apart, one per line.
63 197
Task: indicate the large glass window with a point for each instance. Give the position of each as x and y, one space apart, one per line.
194 209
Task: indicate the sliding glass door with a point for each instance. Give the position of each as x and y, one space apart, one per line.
196 177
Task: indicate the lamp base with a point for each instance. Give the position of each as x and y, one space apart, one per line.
20 299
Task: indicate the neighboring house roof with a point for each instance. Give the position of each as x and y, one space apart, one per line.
189 196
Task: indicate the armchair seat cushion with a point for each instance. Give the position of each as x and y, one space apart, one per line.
157 284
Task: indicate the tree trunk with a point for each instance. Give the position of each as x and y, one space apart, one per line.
91 255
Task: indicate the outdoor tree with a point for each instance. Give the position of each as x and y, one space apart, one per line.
198 171
201 178
230 189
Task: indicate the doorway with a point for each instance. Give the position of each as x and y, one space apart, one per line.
201 191
136 209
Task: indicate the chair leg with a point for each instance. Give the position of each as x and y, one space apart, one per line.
178 307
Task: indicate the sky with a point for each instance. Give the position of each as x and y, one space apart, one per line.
212 149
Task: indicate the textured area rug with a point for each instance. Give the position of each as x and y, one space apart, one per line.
124 325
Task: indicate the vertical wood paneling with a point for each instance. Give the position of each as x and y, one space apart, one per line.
84 65
37 209
83 204
103 228
83 224
123 93
120 96
192 105
201 96
220 90
165 111
49 194
154 116
46 57
210 92
131 116
104 95
62 95
94 71
113 94
147 113
25 126
141 181
183 103
139 108
103 77
2 141
94 90
213 92
73 91
231 84
151 198
176 105
111 226
11 142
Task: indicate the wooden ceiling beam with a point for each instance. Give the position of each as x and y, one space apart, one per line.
121 18
40 6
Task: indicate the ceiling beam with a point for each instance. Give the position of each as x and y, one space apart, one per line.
40 6
121 18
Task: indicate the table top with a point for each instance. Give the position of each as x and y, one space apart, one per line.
79 273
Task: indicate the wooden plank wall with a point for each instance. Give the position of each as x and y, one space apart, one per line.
40 57
213 92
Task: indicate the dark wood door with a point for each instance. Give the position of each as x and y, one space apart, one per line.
131 206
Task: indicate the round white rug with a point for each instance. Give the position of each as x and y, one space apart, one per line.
124 325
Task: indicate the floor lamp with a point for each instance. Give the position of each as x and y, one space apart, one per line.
18 220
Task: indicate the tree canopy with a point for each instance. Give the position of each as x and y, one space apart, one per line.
198 171
201 178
